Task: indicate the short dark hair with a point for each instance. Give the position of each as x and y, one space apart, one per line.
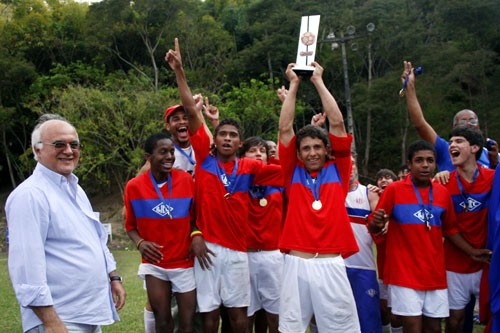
419 145
314 132
232 122
150 143
386 173
473 135
252 142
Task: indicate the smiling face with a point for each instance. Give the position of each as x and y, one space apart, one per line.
162 159
383 181
177 125
461 151
422 166
466 118
312 152
60 160
227 140
273 149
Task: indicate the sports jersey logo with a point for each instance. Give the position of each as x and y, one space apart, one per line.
423 215
224 180
371 292
163 209
470 204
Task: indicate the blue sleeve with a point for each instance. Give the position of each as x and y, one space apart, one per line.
494 243
443 155
28 221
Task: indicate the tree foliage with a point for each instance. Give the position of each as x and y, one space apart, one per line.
102 66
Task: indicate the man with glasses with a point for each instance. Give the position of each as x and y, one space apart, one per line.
489 156
62 272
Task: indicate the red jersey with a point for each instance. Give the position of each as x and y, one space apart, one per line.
471 207
167 222
220 215
265 220
327 230
414 254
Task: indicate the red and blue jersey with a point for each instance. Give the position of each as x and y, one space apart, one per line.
414 254
265 221
471 207
166 222
223 218
328 229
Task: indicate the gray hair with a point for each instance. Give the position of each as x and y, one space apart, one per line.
36 134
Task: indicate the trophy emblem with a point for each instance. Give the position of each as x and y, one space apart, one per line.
307 45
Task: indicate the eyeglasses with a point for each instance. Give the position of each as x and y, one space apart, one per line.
472 121
60 145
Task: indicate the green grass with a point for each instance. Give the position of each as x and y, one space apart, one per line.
131 315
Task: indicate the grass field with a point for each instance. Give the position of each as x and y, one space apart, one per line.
131 315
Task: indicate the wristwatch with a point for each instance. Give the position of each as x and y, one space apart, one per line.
115 278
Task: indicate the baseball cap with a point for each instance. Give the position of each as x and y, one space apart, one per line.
172 109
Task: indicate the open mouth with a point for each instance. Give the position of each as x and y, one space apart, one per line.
182 132
167 165
454 153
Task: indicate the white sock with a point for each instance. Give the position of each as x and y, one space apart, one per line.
386 328
397 329
149 321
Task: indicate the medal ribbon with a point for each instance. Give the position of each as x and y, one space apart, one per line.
314 186
158 191
465 196
421 202
257 192
189 157
231 181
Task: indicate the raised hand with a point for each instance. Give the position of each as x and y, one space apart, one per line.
173 57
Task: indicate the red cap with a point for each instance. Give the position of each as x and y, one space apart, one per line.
172 109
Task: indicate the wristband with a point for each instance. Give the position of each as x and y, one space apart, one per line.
115 278
139 243
196 233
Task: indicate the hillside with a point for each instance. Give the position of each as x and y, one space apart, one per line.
108 204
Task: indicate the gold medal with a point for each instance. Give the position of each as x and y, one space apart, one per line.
317 205
263 202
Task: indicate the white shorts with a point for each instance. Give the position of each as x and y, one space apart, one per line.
461 287
411 302
384 290
182 279
317 286
226 282
266 270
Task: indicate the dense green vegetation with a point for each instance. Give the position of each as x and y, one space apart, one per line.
102 67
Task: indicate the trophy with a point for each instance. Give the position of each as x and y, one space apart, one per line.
306 50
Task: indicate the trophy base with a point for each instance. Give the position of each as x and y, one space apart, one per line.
303 70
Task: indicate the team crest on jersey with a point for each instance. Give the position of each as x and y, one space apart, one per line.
470 204
423 215
162 209
371 292
224 180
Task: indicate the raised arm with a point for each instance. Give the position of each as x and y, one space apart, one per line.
330 107
174 59
287 114
425 131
